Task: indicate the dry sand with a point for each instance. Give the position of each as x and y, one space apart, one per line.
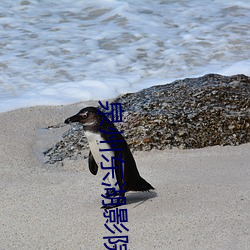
201 198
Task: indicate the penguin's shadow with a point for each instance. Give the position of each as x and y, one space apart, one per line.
140 197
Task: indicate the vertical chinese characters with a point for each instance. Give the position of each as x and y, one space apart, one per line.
113 180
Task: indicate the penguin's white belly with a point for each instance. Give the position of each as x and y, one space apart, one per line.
95 145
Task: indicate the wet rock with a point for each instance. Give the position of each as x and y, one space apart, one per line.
190 113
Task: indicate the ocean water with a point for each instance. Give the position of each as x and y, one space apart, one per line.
61 52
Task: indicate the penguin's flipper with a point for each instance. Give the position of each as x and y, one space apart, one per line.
93 167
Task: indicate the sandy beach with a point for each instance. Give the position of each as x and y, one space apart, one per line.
201 198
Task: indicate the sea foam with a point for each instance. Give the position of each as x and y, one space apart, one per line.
63 52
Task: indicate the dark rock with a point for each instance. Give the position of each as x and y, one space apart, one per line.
190 113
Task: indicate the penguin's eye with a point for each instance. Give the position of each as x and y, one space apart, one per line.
84 115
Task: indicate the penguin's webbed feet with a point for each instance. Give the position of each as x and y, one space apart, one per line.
119 202
110 206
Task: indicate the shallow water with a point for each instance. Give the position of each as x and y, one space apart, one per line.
63 52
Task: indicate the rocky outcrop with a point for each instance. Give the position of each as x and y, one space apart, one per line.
190 113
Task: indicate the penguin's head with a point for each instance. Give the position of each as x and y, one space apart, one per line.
87 117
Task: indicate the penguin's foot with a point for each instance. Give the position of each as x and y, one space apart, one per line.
110 206
119 202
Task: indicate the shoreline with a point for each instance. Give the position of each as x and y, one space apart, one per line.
201 199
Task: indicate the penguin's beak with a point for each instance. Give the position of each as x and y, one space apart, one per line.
74 118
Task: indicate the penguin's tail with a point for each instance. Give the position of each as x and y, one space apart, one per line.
140 185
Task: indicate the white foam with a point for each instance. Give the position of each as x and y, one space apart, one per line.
61 52
242 67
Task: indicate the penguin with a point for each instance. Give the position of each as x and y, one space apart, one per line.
105 143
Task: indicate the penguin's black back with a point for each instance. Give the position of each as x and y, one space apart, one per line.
133 180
